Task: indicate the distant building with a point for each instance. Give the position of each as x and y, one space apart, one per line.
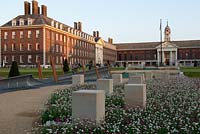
34 36
174 53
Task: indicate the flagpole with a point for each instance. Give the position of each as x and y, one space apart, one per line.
161 41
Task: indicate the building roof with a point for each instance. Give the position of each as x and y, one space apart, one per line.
153 45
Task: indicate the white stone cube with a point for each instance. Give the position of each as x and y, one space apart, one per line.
148 75
117 78
106 85
77 79
135 95
89 104
135 80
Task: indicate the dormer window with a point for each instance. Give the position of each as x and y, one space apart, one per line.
21 22
57 25
13 22
52 23
61 26
29 21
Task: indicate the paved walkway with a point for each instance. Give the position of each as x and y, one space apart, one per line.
19 110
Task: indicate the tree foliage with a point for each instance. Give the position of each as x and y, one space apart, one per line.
14 70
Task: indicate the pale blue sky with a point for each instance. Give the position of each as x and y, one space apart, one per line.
123 20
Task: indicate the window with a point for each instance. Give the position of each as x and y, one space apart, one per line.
5 59
37 46
57 59
6 35
5 47
52 23
21 46
37 33
57 50
61 49
61 60
21 22
13 58
14 23
29 34
21 34
56 36
29 47
13 35
21 59
61 38
37 58
56 24
64 38
29 58
61 26
29 21
13 47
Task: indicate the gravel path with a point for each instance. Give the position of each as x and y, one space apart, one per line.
19 110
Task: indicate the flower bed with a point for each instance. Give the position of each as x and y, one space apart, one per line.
172 107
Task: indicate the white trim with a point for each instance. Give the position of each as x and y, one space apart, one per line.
44 47
137 49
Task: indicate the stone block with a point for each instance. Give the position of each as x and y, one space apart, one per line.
77 79
89 105
135 95
135 80
161 75
148 75
106 85
117 78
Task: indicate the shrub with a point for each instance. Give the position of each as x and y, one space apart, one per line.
65 66
14 71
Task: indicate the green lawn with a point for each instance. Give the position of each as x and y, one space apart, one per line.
191 71
46 72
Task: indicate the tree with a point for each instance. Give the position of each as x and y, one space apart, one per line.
14 71
65 66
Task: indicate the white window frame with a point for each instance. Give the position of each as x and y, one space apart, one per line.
13 35
37 46
5 47
29 47
5 35
21 34
29 58
29 34
14 23
37 33
21 59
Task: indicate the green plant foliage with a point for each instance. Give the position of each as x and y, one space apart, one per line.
172 107
14 71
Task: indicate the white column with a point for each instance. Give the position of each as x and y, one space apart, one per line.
171 58
176 59
163 57
158 58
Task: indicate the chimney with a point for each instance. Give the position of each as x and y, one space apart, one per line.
110 40
94 34
44 10
27 8
75 25
34 7
97 33
38 10
80 26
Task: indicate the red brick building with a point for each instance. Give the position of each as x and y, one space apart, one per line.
34 36
174 53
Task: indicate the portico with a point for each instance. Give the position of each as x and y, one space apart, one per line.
169 54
